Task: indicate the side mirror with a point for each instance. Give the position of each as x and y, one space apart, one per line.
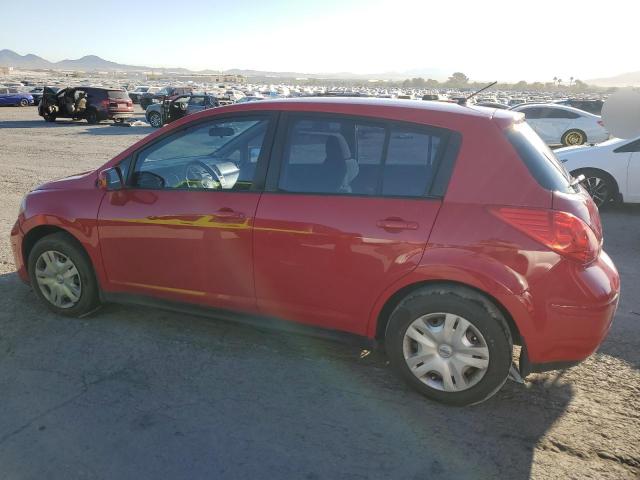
254 153
110 179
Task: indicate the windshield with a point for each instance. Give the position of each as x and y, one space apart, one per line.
539 158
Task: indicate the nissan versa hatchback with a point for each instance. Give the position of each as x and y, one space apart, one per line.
447 233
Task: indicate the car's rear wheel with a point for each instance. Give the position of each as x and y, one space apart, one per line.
155 119
24 102
92 116
599 184
450 343
572 138
62 275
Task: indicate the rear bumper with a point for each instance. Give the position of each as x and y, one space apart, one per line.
114 115
573 310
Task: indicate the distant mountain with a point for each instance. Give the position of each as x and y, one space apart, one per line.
630 79
9 58
93 62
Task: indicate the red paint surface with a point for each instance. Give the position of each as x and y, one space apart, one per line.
330 261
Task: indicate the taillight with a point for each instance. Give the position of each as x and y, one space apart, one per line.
601 123
559 231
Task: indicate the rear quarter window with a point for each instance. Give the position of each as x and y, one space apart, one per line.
539 159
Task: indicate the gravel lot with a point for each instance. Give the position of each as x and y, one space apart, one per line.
142 393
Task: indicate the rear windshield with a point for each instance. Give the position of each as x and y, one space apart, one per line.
539 158
118 95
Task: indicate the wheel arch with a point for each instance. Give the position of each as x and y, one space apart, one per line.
614 182
39 232
487 300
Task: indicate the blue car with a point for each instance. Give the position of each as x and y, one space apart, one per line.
10 96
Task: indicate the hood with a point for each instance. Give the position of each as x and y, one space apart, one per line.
577 148
80 180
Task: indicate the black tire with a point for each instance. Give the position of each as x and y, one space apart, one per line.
479 312
118 120
24 102
49 117
68 246
600 185
573 137
155 119
92 116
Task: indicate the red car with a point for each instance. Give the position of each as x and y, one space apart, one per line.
449 233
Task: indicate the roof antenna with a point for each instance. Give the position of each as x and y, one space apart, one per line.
463 101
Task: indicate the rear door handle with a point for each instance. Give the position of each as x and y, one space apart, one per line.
397 224
228 214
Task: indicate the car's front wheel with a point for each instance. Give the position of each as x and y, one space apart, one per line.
599 185
24 102
155 119
450 343
62 275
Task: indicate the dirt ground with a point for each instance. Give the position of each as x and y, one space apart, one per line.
141 393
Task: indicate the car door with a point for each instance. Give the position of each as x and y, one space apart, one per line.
534 117
182 228
196 104
346 212
4 96
631 153
562 120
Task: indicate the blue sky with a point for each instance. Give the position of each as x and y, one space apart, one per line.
493 39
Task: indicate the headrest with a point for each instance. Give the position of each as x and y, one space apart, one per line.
336 147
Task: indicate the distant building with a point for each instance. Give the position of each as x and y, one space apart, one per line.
6 70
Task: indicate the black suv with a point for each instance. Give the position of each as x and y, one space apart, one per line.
89 103
148 98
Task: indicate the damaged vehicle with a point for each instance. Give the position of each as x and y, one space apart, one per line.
171 109
444 232
85 103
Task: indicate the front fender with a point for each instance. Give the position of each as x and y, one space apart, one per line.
74 211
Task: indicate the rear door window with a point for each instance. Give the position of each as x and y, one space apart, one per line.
410 163
344 155
532 113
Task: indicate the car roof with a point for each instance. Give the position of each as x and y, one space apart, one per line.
339 104
446 115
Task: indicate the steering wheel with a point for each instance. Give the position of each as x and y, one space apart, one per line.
198 174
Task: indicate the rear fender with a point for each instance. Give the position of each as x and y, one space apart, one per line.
482 273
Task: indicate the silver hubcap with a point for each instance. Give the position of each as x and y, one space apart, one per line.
597 188
58 279
155 120
446 352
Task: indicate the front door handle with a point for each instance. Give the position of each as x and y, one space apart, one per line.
228 214
397 224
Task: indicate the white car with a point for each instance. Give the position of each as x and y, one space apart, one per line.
611 169
562 125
